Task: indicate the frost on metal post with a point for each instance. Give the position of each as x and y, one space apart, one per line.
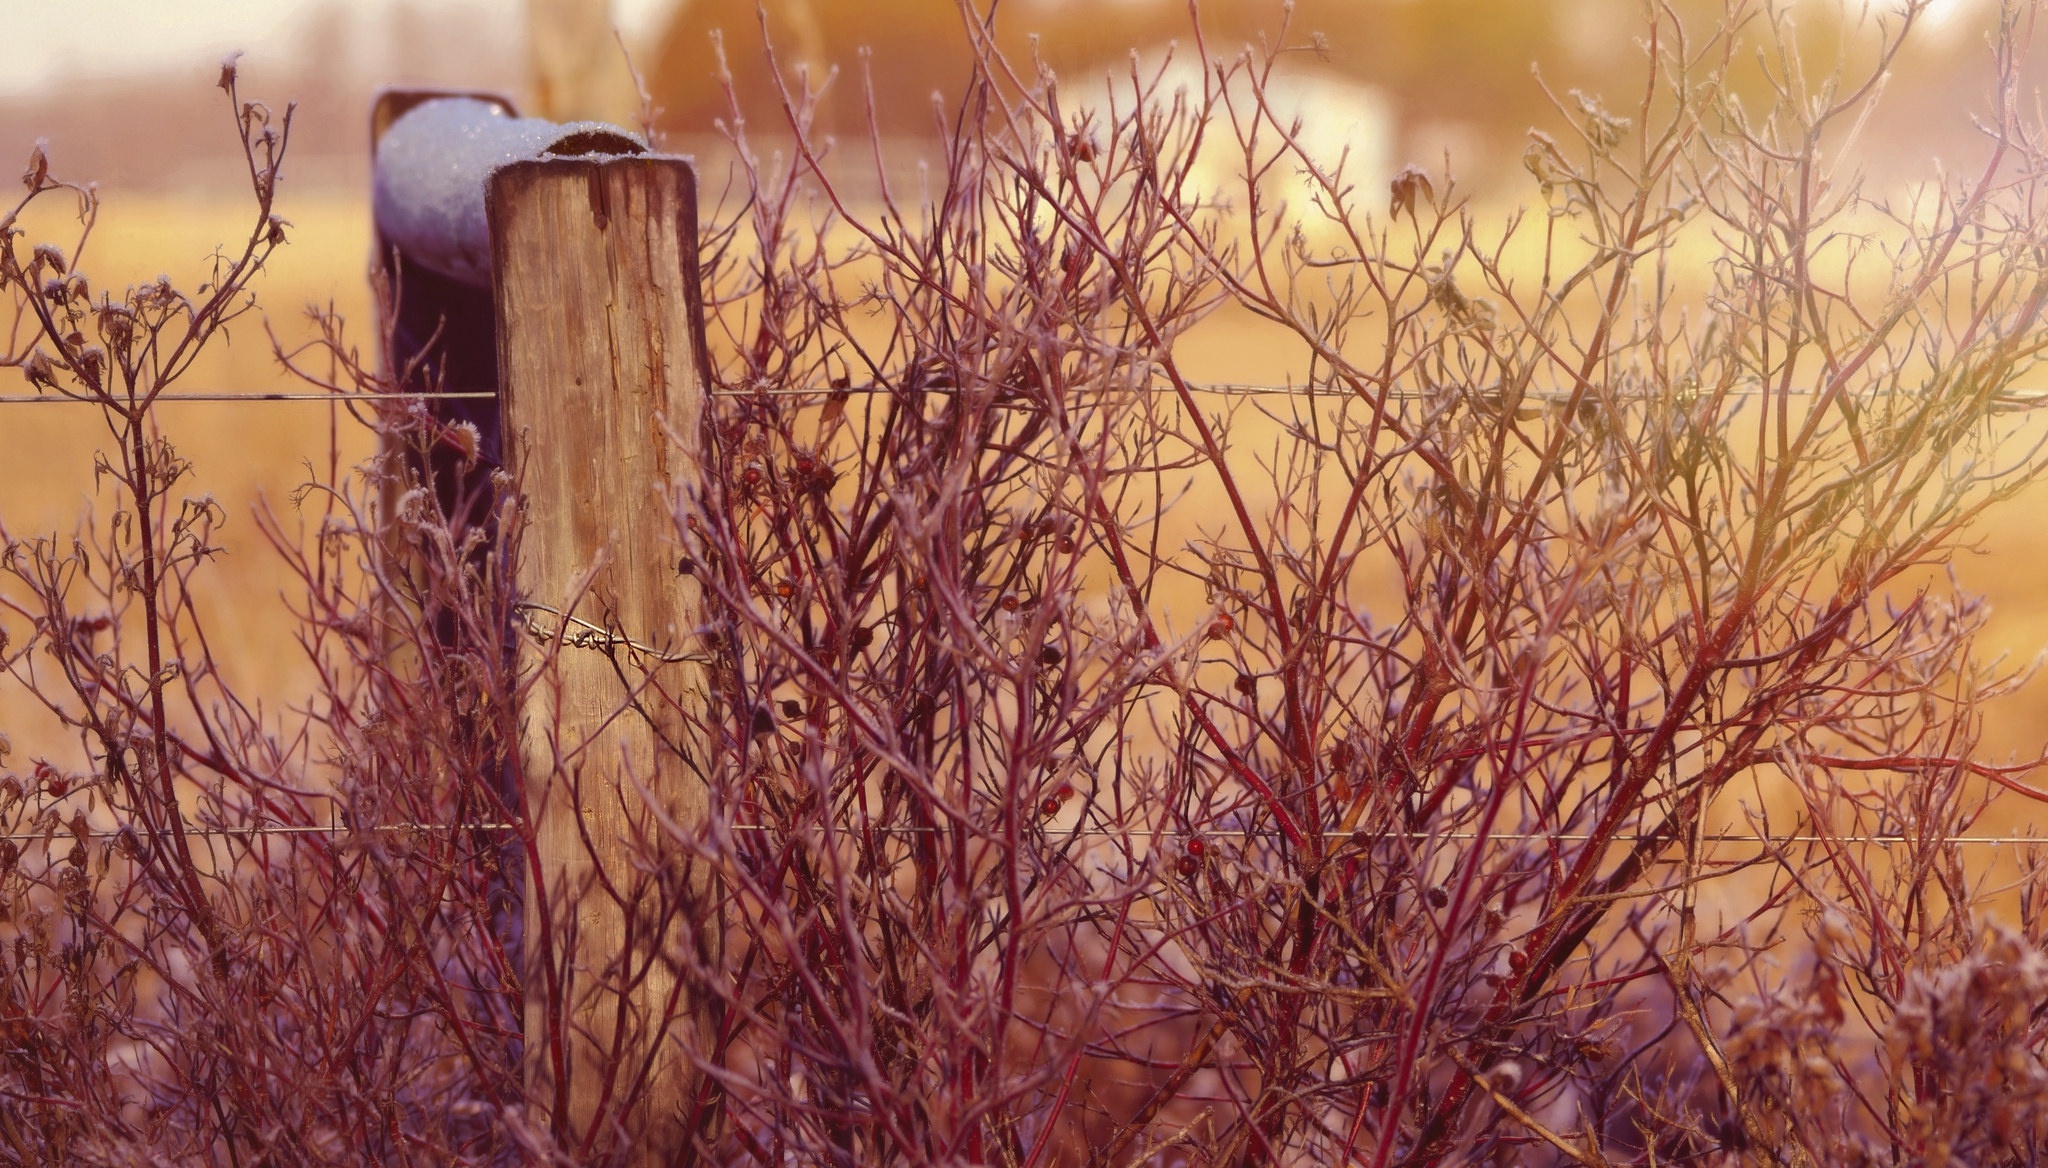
435 161
435 155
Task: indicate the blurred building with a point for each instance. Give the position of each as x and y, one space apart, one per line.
1434 76
1397 81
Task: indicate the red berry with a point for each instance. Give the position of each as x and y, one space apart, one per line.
1050 807
1009 602
1064 791
751 476
1067 545
1189 865
1197 846
1221 627
860 637
1517 960
1048 656
1247 684
57 785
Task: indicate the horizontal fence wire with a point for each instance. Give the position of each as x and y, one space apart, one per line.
2021 400
1885 841
2017 400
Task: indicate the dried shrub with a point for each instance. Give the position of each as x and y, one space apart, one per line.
1088 783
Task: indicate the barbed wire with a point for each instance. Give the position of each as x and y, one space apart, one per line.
2018 400
2022 400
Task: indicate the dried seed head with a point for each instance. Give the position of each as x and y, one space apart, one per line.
1048 656
1595 1050
40 370
1247 684
791 708
466 440
1409 188
860 637
38 166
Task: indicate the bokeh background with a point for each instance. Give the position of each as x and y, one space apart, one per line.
122 92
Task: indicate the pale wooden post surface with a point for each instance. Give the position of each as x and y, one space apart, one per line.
600 359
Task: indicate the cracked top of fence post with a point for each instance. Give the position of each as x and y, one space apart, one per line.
435 161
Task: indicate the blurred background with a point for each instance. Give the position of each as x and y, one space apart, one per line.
123 93
122 88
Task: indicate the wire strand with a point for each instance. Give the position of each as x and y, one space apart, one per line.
2017 400
337 828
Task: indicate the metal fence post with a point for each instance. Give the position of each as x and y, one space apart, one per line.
601 359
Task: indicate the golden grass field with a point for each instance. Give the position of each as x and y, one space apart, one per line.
255 454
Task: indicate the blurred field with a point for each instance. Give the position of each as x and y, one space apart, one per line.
245 455
255 454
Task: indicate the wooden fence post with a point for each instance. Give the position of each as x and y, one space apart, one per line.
600 343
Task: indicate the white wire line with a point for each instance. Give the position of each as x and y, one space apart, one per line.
29 399
2017 400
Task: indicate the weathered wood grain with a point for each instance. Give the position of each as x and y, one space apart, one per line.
601 360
